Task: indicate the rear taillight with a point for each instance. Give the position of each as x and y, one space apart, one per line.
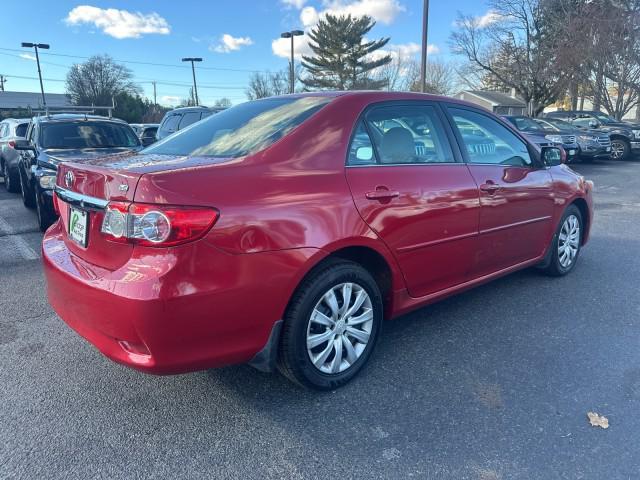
11 144
156 225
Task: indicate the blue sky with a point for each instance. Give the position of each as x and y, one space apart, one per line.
233 37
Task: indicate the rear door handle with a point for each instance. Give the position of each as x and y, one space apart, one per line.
489 187
381 195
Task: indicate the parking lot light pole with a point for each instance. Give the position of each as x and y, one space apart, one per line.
193 71
36 46
423 65
291 34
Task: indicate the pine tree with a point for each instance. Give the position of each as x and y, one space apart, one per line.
342 59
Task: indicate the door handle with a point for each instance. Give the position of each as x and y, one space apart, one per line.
489 187
381 194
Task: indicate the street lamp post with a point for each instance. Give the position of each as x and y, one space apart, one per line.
193 71
36 46
423 65
291 34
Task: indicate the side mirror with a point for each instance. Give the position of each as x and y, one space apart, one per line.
593 124
364 154
23 144
553 156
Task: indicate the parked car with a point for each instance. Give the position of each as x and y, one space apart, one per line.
283 231
625 136
54 139
11 129
592 143
180 118
146 132
527 125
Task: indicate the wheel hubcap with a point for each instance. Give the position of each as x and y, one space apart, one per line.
569 241
617 150
339 328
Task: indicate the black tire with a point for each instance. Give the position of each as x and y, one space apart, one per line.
27 193
553 265
11 180
620 149
294 360
44 219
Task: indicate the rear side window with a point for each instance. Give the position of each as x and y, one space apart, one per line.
170 125
241 130
489 142
361 148
189 118
406 134
3 130
21 130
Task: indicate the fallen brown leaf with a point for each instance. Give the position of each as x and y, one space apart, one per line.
598 420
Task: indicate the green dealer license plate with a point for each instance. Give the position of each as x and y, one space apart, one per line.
78 223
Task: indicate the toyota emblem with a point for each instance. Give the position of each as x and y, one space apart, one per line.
69 178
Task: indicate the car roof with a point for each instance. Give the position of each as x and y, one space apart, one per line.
16 120
61 117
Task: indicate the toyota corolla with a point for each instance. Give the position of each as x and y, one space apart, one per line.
282 232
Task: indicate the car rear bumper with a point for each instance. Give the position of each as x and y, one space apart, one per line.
174 310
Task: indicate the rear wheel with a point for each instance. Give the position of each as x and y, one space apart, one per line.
620 149
565 246
11 180
27 193
331 326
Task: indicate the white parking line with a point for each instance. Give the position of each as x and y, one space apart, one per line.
19 243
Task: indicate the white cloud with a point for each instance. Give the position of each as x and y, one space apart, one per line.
119 23
298 4
309 16
170 100
230 43
482 21
281 47
384 11
27 56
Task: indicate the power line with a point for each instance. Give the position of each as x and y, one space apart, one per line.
137 62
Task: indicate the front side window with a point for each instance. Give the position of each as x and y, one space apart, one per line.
524 123
584 122
487 141
87 134
241 130
407 134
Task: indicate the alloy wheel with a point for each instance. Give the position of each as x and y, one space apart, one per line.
339 328
617 149
569 241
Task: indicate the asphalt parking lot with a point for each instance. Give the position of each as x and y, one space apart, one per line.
491 384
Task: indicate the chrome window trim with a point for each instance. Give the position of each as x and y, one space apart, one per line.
80 200
416 164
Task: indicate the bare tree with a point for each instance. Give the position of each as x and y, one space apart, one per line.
533 46
223 102
268 84
98 80
403 74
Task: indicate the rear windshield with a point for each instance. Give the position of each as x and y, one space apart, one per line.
87 134
241 130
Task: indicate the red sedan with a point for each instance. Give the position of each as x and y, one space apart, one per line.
282 232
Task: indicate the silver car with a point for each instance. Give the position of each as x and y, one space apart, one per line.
10 130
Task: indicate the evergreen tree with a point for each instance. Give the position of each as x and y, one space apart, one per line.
342 59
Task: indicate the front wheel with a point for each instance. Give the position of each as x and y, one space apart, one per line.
27 193
331 326
566 244
620 149
44 218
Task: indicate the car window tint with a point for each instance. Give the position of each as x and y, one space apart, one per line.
87 134
238 131
408 134
489 142
189 118
361 149
170 125
21 130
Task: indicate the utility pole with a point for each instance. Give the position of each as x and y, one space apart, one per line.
36 46
423 65
3 79
155 102
292 73
193 71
